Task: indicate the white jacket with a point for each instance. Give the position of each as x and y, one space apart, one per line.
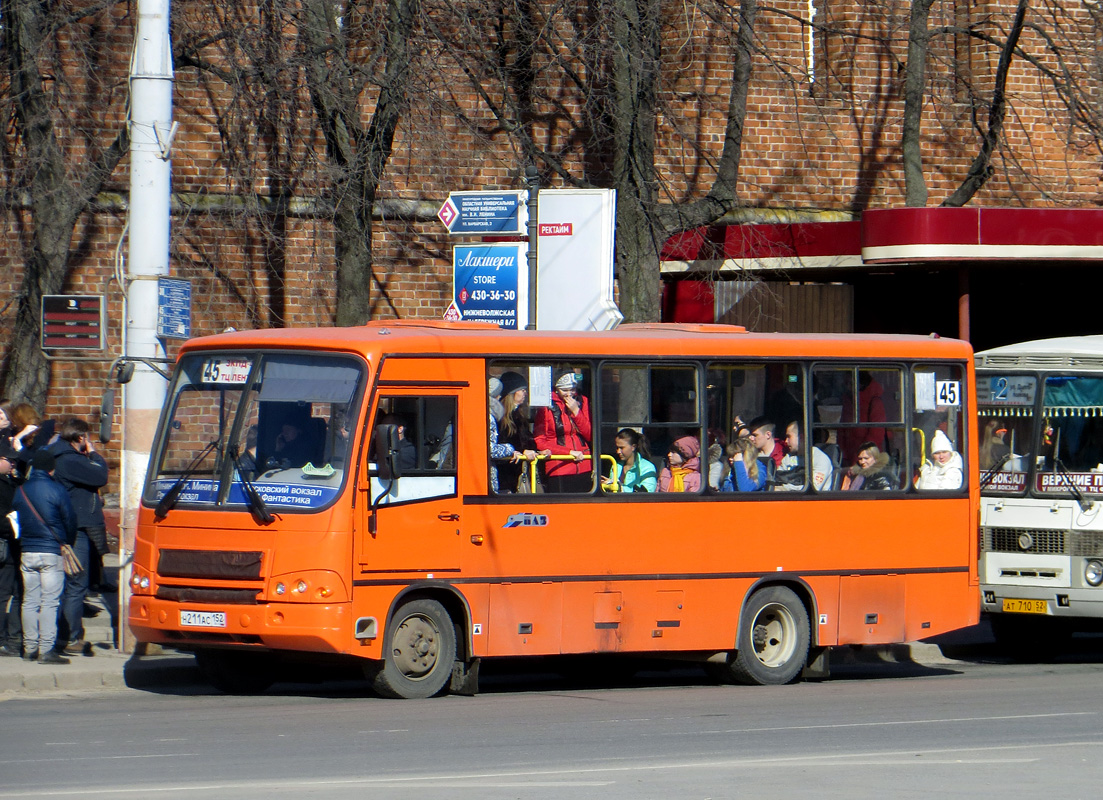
933 475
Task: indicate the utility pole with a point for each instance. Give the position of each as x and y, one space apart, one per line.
151 133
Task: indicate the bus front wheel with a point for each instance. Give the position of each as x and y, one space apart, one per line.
419 651
773 639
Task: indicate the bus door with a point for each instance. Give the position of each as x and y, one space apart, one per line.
413 523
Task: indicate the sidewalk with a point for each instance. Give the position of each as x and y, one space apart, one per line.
107 667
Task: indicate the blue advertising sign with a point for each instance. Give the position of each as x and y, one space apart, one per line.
485 281
173 308
484 212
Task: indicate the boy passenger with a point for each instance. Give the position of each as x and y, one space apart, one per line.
790 477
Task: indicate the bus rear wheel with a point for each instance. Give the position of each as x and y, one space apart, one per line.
418 653
235 672
773 639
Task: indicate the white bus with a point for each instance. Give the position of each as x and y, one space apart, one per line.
1040 419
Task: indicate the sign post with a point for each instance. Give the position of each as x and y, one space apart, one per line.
173 308
484 213
489 283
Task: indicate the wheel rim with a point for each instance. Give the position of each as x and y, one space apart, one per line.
774 635
414 647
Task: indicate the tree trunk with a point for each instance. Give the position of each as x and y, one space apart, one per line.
915 77
56 202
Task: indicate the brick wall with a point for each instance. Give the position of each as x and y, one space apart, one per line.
825 139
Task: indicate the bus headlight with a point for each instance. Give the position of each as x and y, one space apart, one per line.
1093 572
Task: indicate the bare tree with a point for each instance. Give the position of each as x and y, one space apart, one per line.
54 166
610 54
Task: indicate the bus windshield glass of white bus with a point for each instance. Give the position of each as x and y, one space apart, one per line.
282 424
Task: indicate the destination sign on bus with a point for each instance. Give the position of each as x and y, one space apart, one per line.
1006 390
226 371
1060 482
1007 482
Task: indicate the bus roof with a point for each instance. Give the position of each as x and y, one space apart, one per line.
666 339
1063 352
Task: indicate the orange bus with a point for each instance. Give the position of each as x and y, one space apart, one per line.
422 495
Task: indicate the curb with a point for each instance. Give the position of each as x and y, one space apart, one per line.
109 670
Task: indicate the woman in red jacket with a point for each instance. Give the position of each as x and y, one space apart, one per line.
564 429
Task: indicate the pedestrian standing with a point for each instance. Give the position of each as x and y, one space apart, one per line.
11 582
83 472
46 522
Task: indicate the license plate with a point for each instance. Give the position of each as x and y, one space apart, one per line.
1014 605
203 619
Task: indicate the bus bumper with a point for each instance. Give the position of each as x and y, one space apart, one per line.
273 626
1027 601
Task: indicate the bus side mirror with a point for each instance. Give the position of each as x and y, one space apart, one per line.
107 415
385 447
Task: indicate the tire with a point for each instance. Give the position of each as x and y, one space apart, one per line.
235 672
418 653
1030 639
773 642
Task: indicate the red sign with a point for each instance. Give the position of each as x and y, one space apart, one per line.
72 322
556 229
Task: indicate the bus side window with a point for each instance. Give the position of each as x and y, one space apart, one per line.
938 428
427 428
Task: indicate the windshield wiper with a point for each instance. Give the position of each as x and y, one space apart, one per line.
173 494
1085 504
991 473
257 507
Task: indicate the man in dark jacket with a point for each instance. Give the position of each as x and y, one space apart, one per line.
46 521
82 471
11 584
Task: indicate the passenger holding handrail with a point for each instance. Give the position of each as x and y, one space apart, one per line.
513 430
563 429
633 471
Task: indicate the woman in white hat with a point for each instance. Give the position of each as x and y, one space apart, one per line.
944 471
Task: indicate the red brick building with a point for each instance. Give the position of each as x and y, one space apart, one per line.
821 145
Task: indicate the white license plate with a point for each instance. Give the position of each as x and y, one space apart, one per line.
203 619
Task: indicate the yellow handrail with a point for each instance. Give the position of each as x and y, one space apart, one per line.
532 471
614 484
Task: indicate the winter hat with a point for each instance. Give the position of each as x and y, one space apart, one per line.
43 461
495 387
940 442
511 382
568 380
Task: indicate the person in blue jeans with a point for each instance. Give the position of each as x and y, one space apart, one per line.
46 521
82 472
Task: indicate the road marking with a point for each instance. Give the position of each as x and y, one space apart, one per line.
516 778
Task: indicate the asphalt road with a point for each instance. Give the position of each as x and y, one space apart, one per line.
959 729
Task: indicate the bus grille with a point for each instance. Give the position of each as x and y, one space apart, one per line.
1007 540
212 564
1088 544
202 594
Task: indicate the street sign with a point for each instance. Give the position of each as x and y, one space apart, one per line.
484 212
73 322
490 283
575 236
173 308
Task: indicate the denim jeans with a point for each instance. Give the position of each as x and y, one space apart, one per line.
43 581
70 626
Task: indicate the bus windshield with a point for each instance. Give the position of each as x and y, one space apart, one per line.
1005 416
1072 435
278 420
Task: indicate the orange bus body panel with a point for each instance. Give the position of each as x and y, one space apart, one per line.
662 574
